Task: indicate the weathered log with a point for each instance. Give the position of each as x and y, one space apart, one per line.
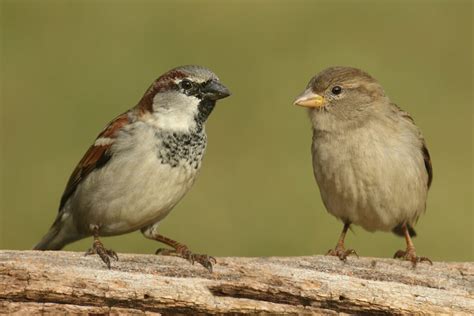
69 282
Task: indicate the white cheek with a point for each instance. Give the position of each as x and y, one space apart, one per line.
175 112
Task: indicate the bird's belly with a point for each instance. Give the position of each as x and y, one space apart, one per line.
377 188
129 194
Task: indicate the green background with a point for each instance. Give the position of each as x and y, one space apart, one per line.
68 67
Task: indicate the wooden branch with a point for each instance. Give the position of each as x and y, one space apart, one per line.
67 282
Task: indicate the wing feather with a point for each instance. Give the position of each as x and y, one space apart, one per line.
428 165
96 156
423 148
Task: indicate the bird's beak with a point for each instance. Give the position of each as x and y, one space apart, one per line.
214 90
309 99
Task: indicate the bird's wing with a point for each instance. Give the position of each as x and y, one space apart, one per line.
427 159
424 149
96 156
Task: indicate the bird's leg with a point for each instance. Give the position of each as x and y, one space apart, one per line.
182 251
410 254
340 251
98 248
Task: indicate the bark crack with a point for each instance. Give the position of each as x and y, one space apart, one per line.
33 282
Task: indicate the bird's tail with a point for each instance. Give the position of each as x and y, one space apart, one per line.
398 230
50 241
58 236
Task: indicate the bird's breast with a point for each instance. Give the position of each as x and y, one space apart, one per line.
370 178
185 150
148 174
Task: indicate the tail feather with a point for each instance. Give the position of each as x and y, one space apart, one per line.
50 241
398 230
59 235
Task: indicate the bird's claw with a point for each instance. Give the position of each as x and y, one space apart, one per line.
410 255
104 254
184 252
341 253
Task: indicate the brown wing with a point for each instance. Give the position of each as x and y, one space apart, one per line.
428 166
96 156
424 149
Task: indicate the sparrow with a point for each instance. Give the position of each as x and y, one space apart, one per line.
370 160
140 166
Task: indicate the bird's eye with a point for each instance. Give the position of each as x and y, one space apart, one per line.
336 90
186 84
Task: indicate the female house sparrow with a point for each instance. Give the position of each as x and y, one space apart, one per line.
369 158
140 166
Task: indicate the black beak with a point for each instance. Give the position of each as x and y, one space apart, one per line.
214 90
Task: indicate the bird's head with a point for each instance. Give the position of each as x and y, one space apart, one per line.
184 97
345 92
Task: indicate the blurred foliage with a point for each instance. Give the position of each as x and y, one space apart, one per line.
68 67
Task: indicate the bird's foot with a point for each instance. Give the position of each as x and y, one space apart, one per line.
410 255
341 253
184 252
104 254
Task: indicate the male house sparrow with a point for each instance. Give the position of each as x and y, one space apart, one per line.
140 166
369 158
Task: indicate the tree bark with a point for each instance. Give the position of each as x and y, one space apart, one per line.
68 282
